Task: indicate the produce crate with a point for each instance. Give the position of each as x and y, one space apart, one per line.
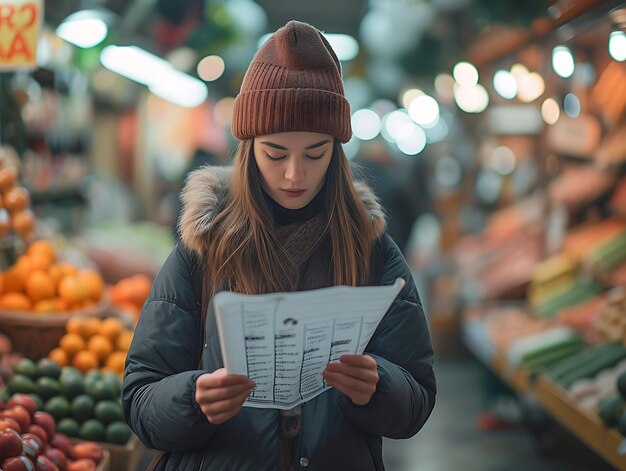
121 457
127 457
105 463
34 335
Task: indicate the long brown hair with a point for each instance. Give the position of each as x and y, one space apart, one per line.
243 248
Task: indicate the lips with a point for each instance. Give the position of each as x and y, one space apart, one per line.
293 193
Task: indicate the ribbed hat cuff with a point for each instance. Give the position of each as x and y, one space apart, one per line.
262 112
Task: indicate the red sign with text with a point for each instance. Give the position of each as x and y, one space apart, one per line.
20 21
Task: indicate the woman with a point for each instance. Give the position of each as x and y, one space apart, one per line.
286 217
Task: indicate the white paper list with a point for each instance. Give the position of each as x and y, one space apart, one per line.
283 341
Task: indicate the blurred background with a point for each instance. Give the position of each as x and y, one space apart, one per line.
494 133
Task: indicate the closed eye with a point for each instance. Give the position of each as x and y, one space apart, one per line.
274 159
315 157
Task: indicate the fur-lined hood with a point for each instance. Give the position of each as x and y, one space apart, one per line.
205 193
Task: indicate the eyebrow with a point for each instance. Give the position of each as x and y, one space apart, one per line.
312 146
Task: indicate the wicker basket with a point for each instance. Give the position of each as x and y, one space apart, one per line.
34 335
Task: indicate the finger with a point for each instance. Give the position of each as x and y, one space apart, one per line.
364 361
217 394
357 397
225 405
369 375
219 379
349 383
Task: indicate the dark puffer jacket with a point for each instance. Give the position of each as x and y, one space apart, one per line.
161 368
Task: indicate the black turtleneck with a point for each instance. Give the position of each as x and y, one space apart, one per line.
285 217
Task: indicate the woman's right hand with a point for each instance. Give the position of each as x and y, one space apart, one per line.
221 395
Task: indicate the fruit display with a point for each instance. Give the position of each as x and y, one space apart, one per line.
552 275
16 218
30 440
86 406
90 342
129 294
39 283
607 255
541 350
610 324
587 363
612 406
8 360
505 325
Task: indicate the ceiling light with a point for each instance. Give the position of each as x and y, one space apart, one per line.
563 61
617 45
465 74
83 29
157 74
505 84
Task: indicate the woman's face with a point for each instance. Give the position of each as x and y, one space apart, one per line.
293 165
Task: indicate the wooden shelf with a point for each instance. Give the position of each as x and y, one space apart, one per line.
584 425
556 400
558 403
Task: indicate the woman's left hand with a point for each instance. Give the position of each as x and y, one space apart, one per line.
355 376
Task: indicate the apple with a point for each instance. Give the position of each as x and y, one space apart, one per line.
10 443
81 465
63 443
57 457
20 463
33 445
8 423
20 414
24 400
39 431
45 464
46 421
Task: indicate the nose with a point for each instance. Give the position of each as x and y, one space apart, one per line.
295 170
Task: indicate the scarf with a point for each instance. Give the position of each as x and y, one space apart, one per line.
298 241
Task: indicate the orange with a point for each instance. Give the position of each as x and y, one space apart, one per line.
72 290
13 281
42 248
121 291
111 328
39 286
75 325
124 340
48 305
24 265
39 261
140 286
15 302
59 356
67 268
72 343
100 346
56 274
23 222
85 361
92 326
116 361
92 281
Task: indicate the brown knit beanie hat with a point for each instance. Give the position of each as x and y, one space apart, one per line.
293 84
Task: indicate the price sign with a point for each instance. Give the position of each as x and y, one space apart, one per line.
20 22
